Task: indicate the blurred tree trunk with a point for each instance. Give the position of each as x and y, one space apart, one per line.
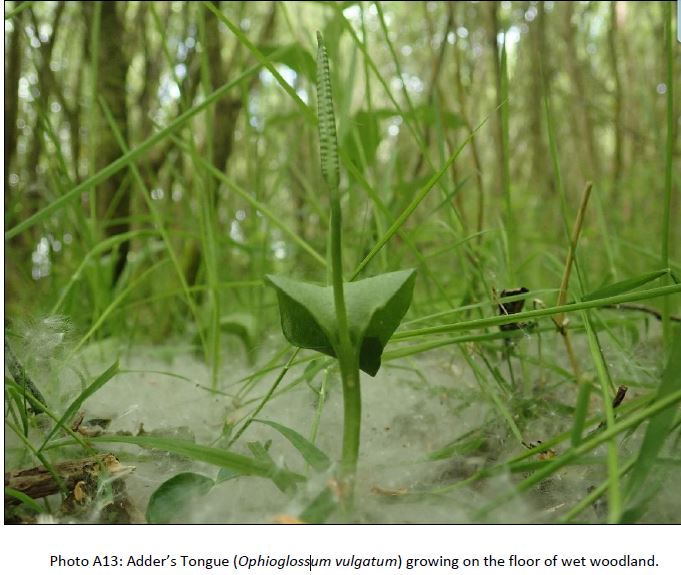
12 76
20 248
435 65
580 101
44 84
617 162
113 200
464 113
154 161
538 61
225 112
492 31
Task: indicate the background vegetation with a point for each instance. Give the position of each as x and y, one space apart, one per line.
162 157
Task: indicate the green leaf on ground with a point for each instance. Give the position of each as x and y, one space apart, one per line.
172 498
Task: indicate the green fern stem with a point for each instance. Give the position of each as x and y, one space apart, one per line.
347 351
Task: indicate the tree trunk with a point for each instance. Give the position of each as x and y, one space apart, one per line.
225 114
492 31
12 75
537 92
617 97
113 202
580 100
15 266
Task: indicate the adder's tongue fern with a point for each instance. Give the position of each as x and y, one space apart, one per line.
348 355
328 144
328 151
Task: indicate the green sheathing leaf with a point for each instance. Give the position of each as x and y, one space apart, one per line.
175 495
375 307
307 314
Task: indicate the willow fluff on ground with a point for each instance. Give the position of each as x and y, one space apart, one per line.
412 409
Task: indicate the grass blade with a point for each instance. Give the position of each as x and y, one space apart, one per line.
537 313
317 459
219 457
73 408
624 285
659 425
